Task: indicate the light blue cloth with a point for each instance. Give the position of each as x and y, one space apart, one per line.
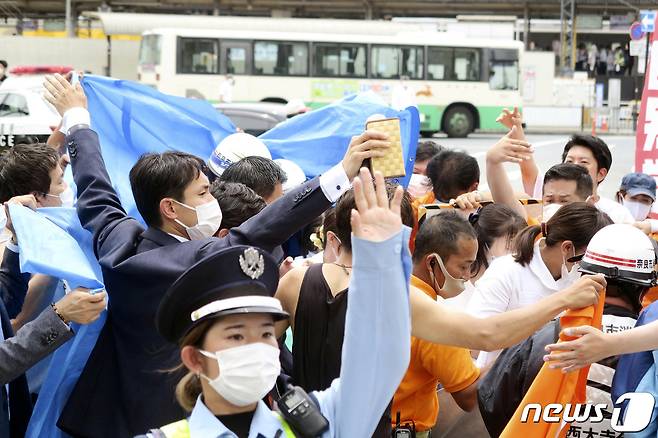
49 242
63 249
132 119
375 350
317 140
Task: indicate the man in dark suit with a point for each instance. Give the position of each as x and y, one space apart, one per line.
125 387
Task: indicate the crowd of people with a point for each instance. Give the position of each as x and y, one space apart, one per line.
213 329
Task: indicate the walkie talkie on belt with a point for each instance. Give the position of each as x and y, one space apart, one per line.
406 430
302 413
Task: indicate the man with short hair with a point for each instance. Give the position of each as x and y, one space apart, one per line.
426 150
562 184
446 247
262 175
123 378
452 173
33 169
238 203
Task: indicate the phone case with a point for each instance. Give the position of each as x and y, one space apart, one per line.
391 165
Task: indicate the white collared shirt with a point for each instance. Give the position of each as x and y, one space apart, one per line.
507 285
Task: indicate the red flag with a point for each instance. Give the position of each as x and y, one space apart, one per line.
646 147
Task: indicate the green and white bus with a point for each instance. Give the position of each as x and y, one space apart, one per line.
460 85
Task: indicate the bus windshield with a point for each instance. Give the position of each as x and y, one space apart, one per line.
149 51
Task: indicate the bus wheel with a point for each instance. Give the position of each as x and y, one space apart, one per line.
458 122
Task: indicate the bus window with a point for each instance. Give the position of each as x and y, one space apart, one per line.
412 62
504 75
236 60
198 55
149 50
503 69
280 59
353 61
327 60
439 63
385 62
346 60
466 65
393 62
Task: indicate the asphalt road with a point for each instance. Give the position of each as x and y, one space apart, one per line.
548 151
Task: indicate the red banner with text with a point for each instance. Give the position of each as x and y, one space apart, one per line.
646 146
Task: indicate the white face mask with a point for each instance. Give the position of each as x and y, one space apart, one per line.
639 210
419 185
246 373
66 197
451 286
568 277
549 210
209 218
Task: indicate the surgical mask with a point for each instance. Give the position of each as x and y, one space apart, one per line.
209 218
419 185
639 210
66 197
568 276
451 286
246 373
549 210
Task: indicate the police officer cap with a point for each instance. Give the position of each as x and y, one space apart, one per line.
240 279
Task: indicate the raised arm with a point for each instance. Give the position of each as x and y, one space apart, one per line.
377 329
529 168
99 207
593 345
278 221
508 149
437 323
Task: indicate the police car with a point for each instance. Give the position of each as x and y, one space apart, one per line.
25 117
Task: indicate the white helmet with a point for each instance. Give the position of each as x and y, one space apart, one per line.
621 252
234 148
294 174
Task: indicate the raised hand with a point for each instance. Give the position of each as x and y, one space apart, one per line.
375 219
508 149
590 346
62 95
367 145
510 118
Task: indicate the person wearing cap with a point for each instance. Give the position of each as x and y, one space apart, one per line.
504 387
223 320
172 194
637 193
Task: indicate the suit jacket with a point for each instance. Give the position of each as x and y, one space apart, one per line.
34 341
126 387
13 287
